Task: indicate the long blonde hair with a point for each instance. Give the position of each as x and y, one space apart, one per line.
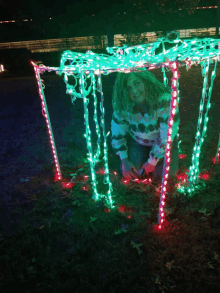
155 89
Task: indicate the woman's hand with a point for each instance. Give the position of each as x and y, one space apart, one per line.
148 168
128 170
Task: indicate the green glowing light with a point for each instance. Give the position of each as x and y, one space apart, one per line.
126 59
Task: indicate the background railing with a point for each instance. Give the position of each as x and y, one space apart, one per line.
96 42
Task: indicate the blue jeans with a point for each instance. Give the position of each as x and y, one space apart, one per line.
139 154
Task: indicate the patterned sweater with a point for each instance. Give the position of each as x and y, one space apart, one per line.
144 129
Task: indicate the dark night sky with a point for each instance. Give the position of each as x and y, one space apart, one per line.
70 20
41 8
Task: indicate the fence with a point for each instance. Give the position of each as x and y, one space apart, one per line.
96 42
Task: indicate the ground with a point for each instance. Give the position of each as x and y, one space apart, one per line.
25 148
57 234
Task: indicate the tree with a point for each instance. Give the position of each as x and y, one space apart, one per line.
182 7
217 20
145 14
188 6
110 17
164 6
16 10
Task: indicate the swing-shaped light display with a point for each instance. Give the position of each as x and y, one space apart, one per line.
85 66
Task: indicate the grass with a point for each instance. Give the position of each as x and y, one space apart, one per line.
54 239
62 240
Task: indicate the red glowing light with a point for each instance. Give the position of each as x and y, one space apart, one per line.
85 178
182 177
57 177
157 228
182 156
124 208
101 171
204 175
115 173
121 209
67 185
217 161
146 180
161 227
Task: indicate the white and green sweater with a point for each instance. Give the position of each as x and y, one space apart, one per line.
146 130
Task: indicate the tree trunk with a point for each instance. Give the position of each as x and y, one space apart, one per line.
217 20
111 18
110 35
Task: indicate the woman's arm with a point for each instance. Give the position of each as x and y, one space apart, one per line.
119 129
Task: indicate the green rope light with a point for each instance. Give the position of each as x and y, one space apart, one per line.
125 59
194 168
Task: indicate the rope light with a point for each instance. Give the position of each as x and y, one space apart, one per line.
90 66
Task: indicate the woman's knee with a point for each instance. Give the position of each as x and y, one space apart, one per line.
158 172
138 154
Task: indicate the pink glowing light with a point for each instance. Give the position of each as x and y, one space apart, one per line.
218 159
46 115
67 185
205 175
101 171
182 176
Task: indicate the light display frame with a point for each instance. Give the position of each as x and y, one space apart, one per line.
184 52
